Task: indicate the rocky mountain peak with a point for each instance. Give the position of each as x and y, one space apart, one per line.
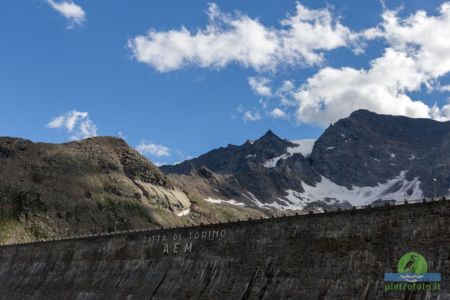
234 158
362 113
270 144
270 137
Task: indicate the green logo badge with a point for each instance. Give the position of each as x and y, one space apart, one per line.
412 263
412 275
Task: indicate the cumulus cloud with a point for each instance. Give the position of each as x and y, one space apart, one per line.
332 93
278 113
146 147
71 11
285 93
237 38
260 86
76 123
416 57
251 116
425 38
309 32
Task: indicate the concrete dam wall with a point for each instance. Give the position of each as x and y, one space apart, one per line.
335 255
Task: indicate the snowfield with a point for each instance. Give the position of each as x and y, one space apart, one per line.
397 189
220 201
303 147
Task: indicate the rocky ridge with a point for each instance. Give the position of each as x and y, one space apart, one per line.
365 158
94 185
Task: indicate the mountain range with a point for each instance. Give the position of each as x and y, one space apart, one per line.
363 159
102 184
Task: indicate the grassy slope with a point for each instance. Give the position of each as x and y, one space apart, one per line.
96 185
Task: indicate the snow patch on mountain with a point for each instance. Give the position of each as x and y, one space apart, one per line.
253 199
303 147
220 201
184 212
398 189
293 201
272 163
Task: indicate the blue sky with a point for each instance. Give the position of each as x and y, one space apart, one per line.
213 73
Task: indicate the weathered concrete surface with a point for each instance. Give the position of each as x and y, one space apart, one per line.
341 255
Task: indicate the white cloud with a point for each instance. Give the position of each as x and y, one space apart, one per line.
76 123
425 38
285 93
312 31
278 113
332 93
444 88
146 147
69 10
57 122
250 116
260 86
237 38
417 56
